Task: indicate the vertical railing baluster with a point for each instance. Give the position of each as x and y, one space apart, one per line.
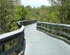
3 47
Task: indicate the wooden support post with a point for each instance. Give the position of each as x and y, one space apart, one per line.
3 47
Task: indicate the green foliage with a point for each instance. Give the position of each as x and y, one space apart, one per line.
10 13
64 10
43 13
6 15
20 13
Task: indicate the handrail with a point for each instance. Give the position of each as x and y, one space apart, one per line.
14 42
26 22
61 31
55 24
3 36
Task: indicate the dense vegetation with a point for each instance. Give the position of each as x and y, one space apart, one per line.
59 12
11 12
63 9
6 15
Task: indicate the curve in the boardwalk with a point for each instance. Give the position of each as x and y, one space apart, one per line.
38 43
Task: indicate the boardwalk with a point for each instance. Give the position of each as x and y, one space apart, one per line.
38 43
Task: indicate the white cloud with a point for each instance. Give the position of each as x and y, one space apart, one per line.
35 3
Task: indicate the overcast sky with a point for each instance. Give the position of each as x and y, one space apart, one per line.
35 3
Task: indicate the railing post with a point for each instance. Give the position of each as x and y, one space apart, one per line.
23 42
3 47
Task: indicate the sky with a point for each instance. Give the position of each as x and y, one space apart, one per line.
35 3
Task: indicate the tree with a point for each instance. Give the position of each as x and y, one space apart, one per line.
7 8
64 10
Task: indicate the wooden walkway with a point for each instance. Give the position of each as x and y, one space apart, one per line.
38 43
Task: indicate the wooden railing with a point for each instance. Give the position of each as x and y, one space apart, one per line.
13 43
61 31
